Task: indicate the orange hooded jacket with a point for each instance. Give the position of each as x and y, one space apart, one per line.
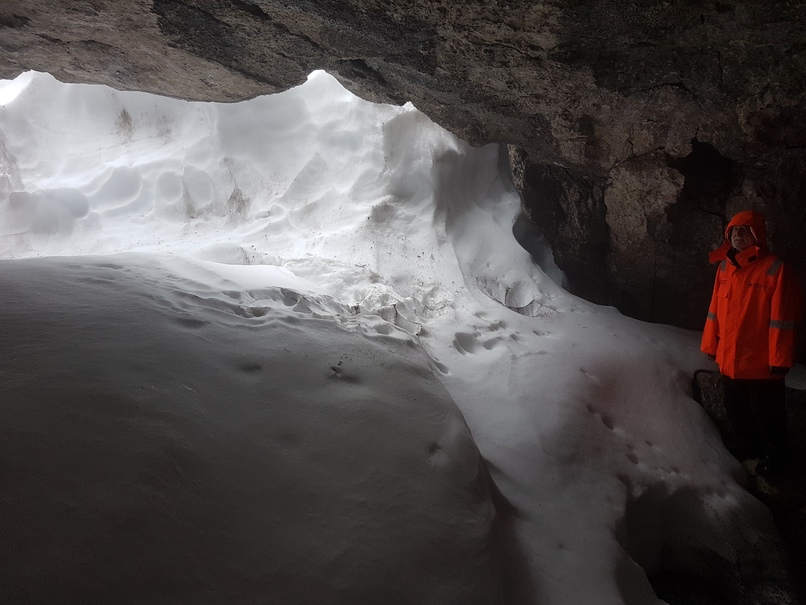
756 302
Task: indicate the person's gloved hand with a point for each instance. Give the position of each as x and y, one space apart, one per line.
778 370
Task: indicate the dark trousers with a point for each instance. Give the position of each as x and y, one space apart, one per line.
757 414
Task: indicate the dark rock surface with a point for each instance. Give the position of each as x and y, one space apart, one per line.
785 496
637 128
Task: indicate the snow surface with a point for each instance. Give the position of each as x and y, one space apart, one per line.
243 345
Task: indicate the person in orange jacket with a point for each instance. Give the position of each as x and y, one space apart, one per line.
750 332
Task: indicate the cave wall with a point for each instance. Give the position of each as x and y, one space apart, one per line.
635 128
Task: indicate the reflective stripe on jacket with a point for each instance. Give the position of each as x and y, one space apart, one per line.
751 319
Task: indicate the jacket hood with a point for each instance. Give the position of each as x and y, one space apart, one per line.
756 222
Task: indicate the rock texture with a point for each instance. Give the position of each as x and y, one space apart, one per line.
636 128
785 496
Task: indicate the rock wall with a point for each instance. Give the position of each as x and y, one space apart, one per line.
636 128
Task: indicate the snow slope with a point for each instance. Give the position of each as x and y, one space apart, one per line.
254 340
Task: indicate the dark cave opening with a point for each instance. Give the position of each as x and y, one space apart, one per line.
710 179
692 227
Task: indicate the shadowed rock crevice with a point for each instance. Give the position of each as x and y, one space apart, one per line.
710 179
689 227
570 211
13 21
785 497
675 539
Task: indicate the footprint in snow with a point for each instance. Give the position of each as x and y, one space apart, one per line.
465 343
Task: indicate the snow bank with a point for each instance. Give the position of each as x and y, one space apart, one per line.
162 442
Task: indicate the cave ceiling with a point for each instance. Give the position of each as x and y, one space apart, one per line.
635 128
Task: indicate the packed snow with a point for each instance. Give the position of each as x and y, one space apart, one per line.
289 351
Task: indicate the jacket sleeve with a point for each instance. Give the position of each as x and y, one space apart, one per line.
710 335
785 312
